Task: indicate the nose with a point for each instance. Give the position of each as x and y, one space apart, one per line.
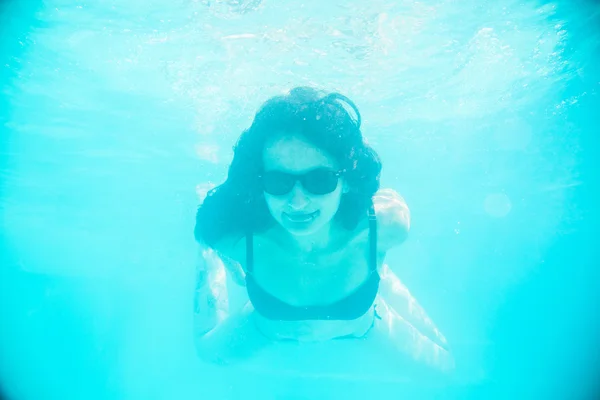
298 199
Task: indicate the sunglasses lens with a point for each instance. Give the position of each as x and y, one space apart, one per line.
277 183
320 181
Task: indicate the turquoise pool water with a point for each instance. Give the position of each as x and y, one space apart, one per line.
117 115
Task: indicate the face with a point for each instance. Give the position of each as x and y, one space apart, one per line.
300 210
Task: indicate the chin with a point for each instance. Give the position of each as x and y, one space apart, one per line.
309 230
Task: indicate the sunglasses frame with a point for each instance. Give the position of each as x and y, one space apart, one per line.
297 177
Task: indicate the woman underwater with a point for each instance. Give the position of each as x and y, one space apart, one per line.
302 223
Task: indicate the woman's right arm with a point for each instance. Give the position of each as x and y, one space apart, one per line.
210 291
211 301
214 327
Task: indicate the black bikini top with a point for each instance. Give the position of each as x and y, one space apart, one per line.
350 307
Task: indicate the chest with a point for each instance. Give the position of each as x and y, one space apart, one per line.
312 277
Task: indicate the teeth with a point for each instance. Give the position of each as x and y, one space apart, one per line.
301 217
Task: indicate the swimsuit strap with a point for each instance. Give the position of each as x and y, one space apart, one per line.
372 239
249 251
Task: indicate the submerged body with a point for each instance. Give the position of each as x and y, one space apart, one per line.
325 277
314 269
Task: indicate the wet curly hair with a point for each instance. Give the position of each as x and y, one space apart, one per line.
237 206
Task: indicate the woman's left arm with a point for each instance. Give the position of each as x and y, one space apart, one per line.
393 222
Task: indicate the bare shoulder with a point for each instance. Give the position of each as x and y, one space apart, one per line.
232 247
393 218
230 250
388 198
393 221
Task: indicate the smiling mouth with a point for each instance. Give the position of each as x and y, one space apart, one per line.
301 218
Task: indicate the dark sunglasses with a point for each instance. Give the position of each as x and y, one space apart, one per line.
318 181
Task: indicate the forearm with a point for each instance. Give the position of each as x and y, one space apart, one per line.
398 297
422 348
411 341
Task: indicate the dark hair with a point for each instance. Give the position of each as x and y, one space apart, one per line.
238 206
